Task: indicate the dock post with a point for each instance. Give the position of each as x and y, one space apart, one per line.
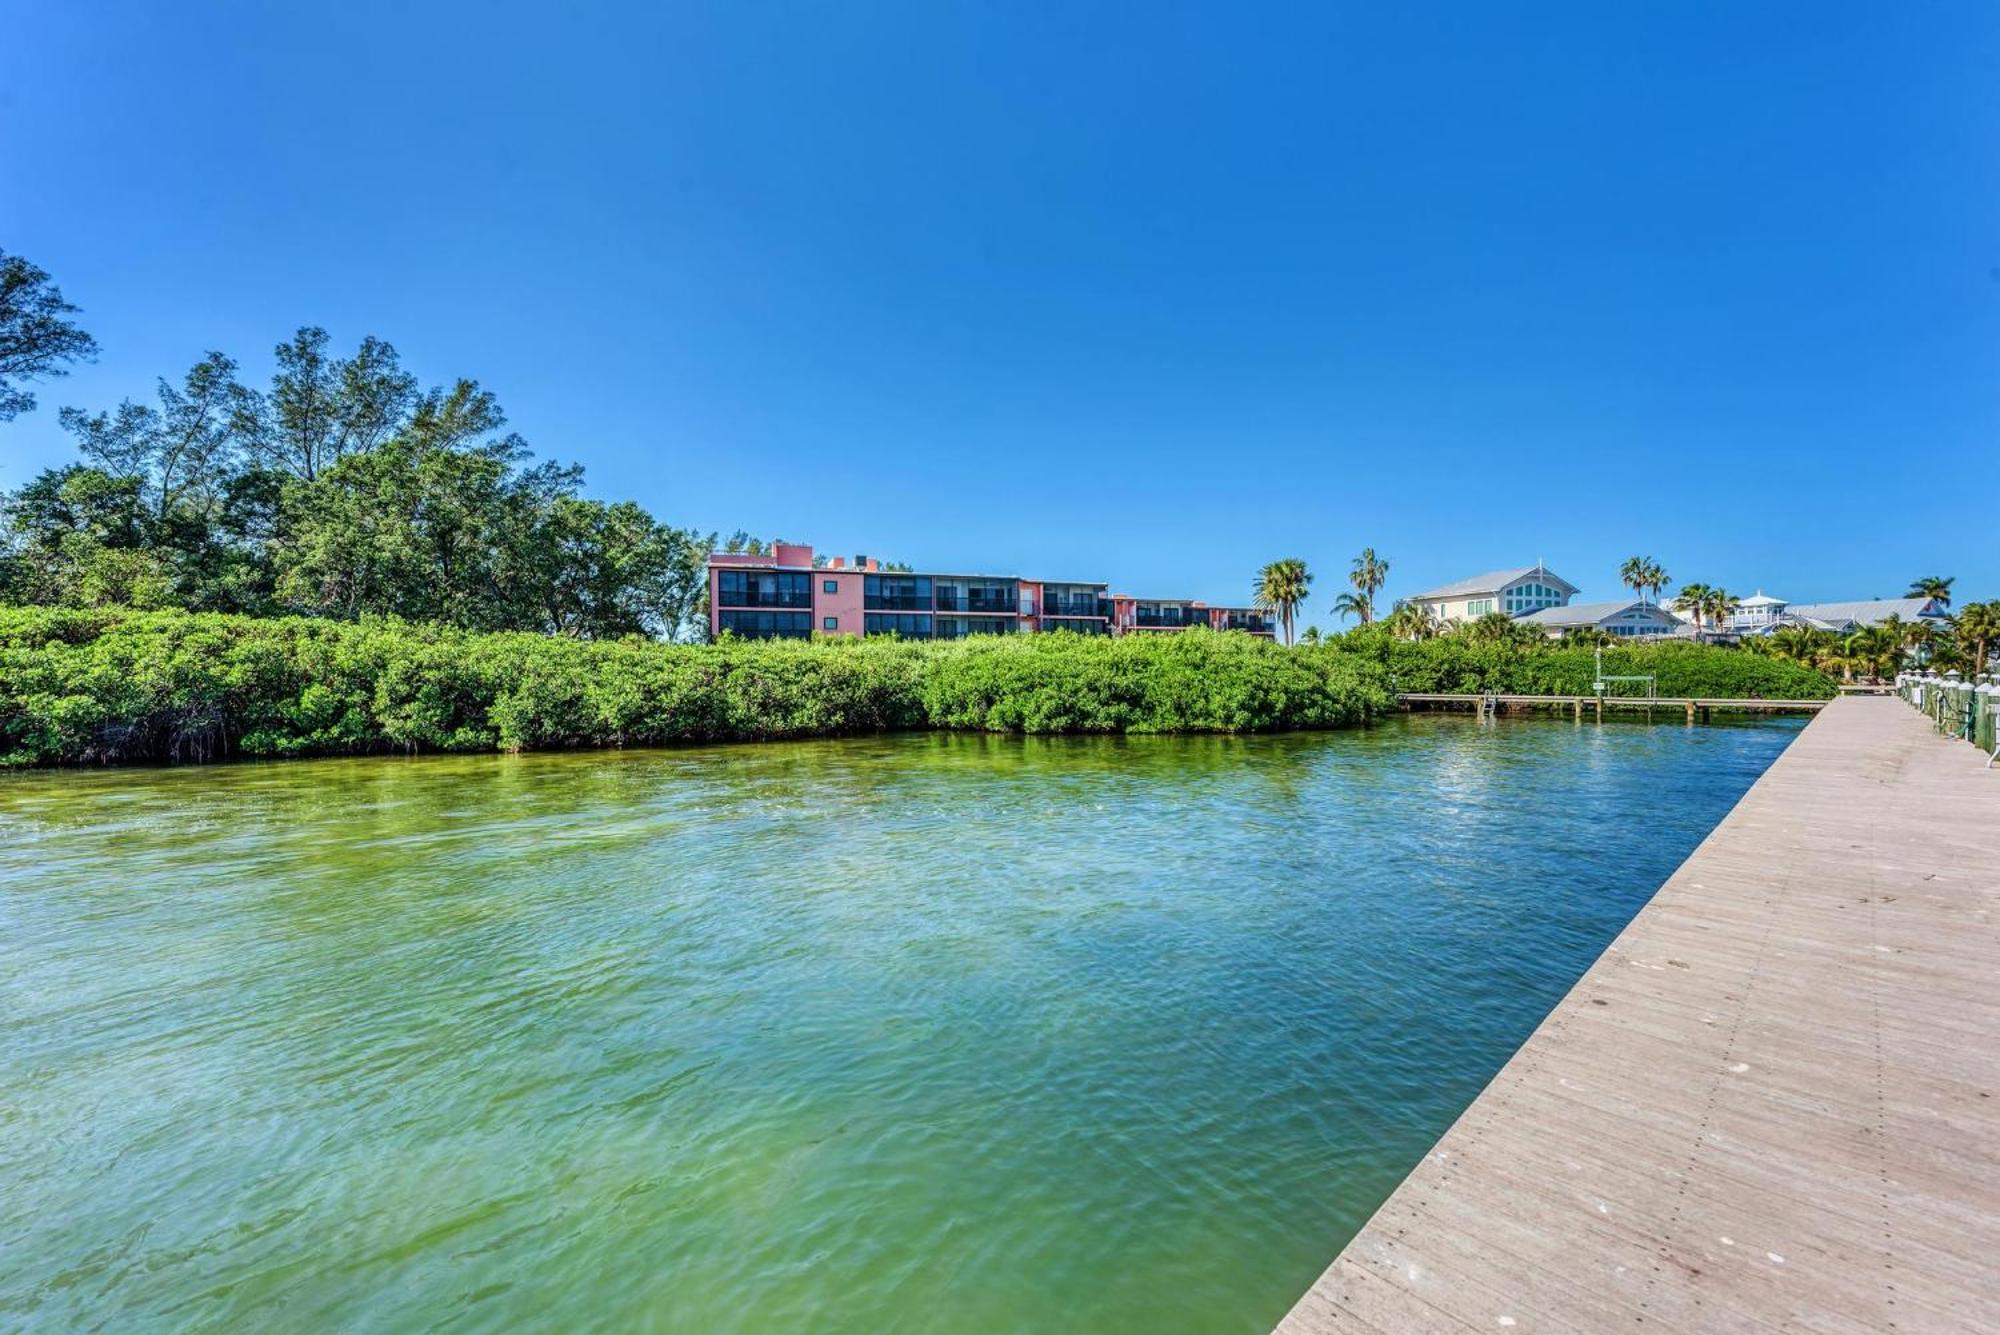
1600 709
1690 713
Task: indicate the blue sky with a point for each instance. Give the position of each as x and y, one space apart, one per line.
1145 293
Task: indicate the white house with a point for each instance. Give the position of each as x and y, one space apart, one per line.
1846 618
1515 592
1616 618
1756 613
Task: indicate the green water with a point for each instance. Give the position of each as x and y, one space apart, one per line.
912 1033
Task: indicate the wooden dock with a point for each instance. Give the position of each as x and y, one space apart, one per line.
1488 705
1772 1104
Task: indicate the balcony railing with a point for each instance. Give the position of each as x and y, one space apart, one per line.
977 604
895 602
1075 607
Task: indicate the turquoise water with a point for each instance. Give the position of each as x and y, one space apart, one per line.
919 1033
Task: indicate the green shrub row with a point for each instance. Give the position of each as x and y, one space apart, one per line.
113 685
104 686
1454 663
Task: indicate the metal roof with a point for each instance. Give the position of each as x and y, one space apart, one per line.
1492 582
1866 612
1586 614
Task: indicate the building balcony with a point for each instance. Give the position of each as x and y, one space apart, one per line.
755 598
973 605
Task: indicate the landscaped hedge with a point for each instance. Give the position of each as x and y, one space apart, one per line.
113 685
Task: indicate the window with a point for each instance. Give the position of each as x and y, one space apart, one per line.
766 625
897 593
830 623
762 588
1479 607
909 627
829 586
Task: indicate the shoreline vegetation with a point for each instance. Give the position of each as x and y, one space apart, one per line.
99 686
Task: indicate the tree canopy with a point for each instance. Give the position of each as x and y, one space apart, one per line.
343 490
37 337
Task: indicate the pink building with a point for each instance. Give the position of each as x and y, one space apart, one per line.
786 594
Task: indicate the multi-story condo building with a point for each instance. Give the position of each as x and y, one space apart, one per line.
786 594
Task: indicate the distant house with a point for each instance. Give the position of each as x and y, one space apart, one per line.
1515 592
1846 618
1615 618
1756 613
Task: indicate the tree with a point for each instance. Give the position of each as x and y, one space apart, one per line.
1717 605
1935 587
1413 621
1368 573
322 409
183 452
1355 605
1977 627
1633 573
1281 587
1656 577
36 336
1499 628
1310 635
1694 601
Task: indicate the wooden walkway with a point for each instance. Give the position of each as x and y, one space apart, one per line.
1772 1104
1577 704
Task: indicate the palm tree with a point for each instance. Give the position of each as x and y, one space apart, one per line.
1354 605
1719 604
1978 627
1874 649
1499 628
1655 576
1281 587
1694 600
1310 635
1635 572
1413 621
1368 573
1934 587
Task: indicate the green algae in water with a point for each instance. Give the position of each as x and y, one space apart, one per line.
922 1032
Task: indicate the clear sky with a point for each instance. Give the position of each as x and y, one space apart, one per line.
1147 293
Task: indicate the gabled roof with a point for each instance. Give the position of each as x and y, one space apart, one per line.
1492 582
1864 613
1587 614
1760 599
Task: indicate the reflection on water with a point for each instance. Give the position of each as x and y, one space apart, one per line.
924 1032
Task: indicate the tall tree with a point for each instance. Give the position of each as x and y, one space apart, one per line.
183 452
1367 573
37 338
1656 577
1632 574
1935 587
321 409
1281 587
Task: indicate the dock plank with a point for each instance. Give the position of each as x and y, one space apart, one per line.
1770 1104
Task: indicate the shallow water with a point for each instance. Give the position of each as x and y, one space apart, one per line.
924 1032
